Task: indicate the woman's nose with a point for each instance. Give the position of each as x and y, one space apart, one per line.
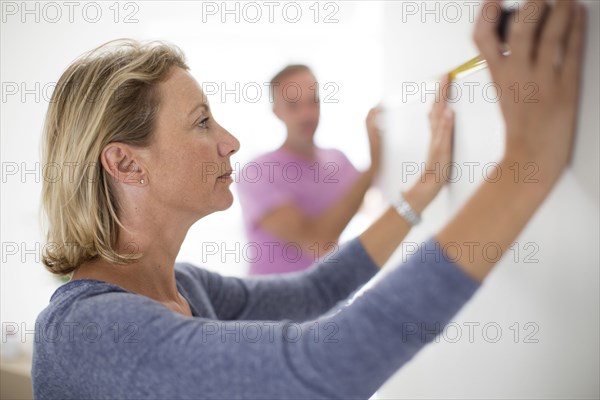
228 144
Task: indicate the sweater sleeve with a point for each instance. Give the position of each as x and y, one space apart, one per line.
297 296
348 354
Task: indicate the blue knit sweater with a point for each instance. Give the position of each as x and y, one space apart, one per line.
300 335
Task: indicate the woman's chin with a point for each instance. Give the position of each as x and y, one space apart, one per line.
226 202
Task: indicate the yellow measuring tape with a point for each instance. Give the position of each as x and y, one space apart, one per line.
477 63
474 64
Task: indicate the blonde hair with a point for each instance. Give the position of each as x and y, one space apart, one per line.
109 94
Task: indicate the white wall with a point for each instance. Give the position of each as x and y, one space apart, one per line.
546 289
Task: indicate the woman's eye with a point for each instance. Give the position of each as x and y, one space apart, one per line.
203 123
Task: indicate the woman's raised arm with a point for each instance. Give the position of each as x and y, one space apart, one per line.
546 51
308 294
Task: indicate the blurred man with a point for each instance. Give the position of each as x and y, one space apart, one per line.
298 199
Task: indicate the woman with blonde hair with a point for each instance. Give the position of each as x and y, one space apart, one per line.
148 160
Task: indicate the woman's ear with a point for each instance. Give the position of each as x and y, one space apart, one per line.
119 161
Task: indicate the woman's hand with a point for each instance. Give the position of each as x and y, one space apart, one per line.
383 237
439 156
539 80
545 53
441 121
374 134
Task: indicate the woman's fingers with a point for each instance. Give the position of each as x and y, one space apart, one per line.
445 129
443 90
554 35
485 36
440 147
572 65
442 124
440 103
374 135
523 30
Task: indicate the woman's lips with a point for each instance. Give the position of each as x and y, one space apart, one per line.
225 177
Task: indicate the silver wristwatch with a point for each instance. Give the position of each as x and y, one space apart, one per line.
406 211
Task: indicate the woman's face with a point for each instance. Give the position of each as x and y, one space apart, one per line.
190 152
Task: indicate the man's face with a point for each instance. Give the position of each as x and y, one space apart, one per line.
296 103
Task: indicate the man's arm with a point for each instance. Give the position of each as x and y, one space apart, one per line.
289 223
317 234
